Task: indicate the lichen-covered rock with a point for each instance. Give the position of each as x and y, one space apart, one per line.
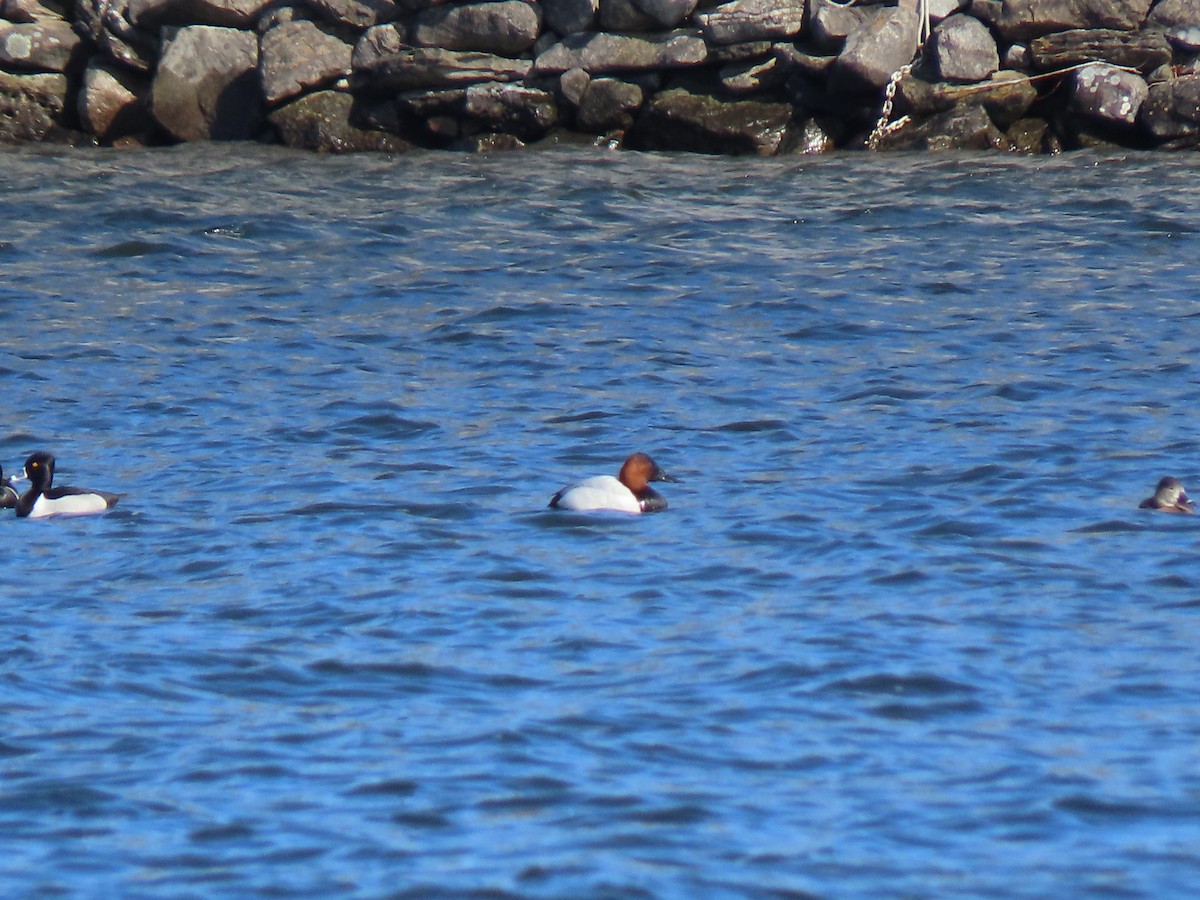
1171 109
324 122
206 85
31 107
383 62
1019 21
962 50
752 20
1108 95
876 50
296 57
502 27
1178 20
603 53
609 105
224 13
1143 50
112 102
679 120
44 46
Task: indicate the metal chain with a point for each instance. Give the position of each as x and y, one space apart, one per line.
882 127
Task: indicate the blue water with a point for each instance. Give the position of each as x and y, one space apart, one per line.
902 632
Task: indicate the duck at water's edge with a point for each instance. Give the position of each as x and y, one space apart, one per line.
1169 496
43 499
629 492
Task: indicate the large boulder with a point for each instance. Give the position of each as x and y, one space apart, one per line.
679 120
876 50
1171 110
752 20
502 27
1143 50
963 50
959 128
43 46
360 14
830 23
1108 95
636 16
111 101
34 10
1179 20
603 53
206 86
296 57
324 122
608 105
524 112
31 107
1019 21
1006 97
383 62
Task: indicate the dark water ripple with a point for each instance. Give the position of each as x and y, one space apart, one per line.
902 632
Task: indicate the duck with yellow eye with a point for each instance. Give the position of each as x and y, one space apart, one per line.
43 499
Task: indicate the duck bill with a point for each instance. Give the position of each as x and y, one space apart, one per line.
660 475
1185 504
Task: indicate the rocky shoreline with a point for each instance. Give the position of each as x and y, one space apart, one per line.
761 77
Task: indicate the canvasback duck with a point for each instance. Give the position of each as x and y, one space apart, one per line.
629 492
1169 496
43 499
8 493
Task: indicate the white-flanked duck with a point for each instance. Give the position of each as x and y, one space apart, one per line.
1169 496
43 499
629 492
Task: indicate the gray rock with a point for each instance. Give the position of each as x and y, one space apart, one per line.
360 14
813 138
752 77
572 85
502 27
1016 56
793 59
225 13
112 101
666 14
1019 21
296 57
383 62
206 86
601 53
959 128
569 16
1179 20
723 54
44 46
524 112
622 17
31 107
1144 50
962 50
830 23
324 122
875 50
34 10
1108 95
1171 109
944 9
608 106
679 120
752 20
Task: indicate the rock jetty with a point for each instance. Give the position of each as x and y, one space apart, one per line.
761 77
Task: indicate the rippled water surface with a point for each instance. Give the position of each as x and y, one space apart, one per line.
902 632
